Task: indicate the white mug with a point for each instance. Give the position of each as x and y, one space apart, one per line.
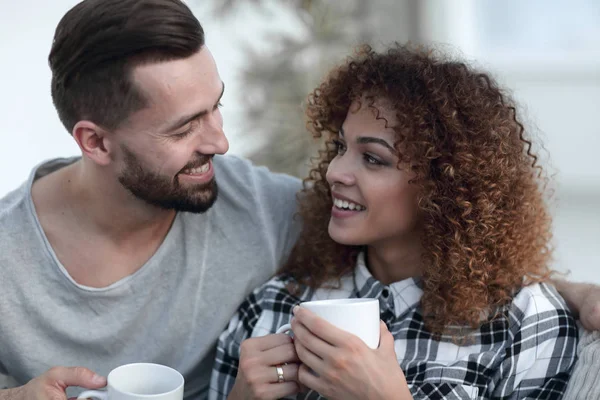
140 381
360 317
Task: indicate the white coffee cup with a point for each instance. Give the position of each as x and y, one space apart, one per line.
140 381
360 317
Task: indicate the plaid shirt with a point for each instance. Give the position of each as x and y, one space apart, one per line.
528 355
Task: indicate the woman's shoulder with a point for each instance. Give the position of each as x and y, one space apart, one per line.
279 288
540 303
286 288
539 297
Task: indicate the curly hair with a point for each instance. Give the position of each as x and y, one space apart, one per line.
486 230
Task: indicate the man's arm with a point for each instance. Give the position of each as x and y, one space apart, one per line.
584 301
12 394
585 377
52 384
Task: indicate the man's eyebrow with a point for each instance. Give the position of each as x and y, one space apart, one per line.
188 118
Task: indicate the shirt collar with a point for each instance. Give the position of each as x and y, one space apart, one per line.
406 294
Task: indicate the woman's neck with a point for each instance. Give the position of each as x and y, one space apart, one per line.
395 261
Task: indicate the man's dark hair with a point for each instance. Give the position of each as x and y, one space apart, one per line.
99 42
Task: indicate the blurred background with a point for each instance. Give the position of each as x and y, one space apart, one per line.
272 53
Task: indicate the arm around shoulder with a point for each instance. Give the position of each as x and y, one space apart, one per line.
583 300
279 200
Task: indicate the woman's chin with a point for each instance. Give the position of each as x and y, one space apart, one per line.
344 237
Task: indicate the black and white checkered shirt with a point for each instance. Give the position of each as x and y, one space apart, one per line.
528 355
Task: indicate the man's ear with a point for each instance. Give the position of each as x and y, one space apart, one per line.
95 142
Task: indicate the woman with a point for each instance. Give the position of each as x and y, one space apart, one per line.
427 196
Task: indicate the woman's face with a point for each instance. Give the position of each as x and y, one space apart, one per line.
373 200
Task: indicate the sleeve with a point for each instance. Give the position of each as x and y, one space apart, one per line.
279 205
264 310
227 356
6 381
585 379
542 347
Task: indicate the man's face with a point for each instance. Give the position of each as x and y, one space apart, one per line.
164 151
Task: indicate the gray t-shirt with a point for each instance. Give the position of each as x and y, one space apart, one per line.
171 311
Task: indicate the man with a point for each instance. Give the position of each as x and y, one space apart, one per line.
142 248
125 254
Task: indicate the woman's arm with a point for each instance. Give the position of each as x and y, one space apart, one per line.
584 301
248 357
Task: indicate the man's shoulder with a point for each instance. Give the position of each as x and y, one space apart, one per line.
239 174
17 203
18 230
13 208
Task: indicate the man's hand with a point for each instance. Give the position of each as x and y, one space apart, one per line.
52 384
584 301
590 308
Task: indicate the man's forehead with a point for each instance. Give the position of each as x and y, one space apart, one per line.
173 77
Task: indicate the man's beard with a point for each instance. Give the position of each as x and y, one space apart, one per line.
164 192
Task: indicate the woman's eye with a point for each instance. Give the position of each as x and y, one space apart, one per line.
372 160
340 146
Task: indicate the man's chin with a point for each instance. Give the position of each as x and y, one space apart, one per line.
198 203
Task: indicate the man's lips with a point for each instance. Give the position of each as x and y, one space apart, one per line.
202 174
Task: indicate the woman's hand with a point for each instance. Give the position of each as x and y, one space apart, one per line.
345 367
257 376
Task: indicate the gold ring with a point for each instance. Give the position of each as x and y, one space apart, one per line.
280 378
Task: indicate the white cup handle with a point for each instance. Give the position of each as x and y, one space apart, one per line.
95 394
284 328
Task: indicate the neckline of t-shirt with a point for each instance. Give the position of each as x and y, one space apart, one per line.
52 254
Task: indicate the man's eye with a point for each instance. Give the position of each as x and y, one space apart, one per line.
183 134
188 131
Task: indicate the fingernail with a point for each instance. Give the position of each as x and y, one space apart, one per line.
98 379
295 309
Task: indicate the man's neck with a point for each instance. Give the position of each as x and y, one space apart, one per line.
100 205
98 230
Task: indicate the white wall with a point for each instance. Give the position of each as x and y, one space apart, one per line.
548 54
29 128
